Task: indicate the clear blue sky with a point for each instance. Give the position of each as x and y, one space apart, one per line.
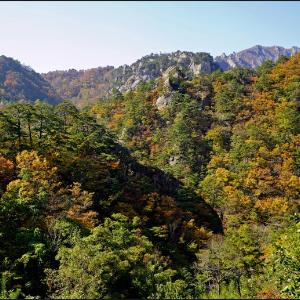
62 35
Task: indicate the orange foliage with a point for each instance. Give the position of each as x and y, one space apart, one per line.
287 72
79 210
6 172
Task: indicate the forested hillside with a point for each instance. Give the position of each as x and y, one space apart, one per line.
186 186
19 82
86 86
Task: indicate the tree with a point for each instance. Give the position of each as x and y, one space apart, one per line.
230 259
67 111
103 264
284 262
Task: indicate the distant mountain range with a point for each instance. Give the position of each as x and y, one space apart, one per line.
19 82
253 57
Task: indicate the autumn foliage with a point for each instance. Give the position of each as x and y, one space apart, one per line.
195 199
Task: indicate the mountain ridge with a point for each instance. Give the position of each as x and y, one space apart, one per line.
96 82
254 56
20 82
152 66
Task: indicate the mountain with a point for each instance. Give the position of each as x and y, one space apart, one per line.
86 86
19 82
81 84
181 188
96 82
253 57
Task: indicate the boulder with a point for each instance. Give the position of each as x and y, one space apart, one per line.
163 101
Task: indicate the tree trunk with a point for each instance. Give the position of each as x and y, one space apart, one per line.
19 134
40 131
239 286
30 134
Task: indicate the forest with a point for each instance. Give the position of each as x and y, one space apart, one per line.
197 197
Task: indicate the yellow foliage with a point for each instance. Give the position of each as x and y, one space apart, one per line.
36 176
273 206
79 209
263 102
37 167
222 174
287 72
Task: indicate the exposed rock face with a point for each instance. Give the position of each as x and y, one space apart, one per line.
171 78
97 82
90 85
253 57
174 159
154 65
163 101
20 82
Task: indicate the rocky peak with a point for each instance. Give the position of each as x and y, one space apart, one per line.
254 56
153 66
95 83
171 79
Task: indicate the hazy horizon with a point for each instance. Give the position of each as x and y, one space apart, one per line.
50 36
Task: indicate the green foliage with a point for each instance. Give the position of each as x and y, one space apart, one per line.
11 294
107 263
284 262
107 202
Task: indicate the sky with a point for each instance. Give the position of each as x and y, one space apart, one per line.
62 35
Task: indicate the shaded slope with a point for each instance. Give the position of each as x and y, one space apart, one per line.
18 82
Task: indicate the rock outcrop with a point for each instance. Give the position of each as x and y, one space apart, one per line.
97 82
87 86
170 81
253 57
